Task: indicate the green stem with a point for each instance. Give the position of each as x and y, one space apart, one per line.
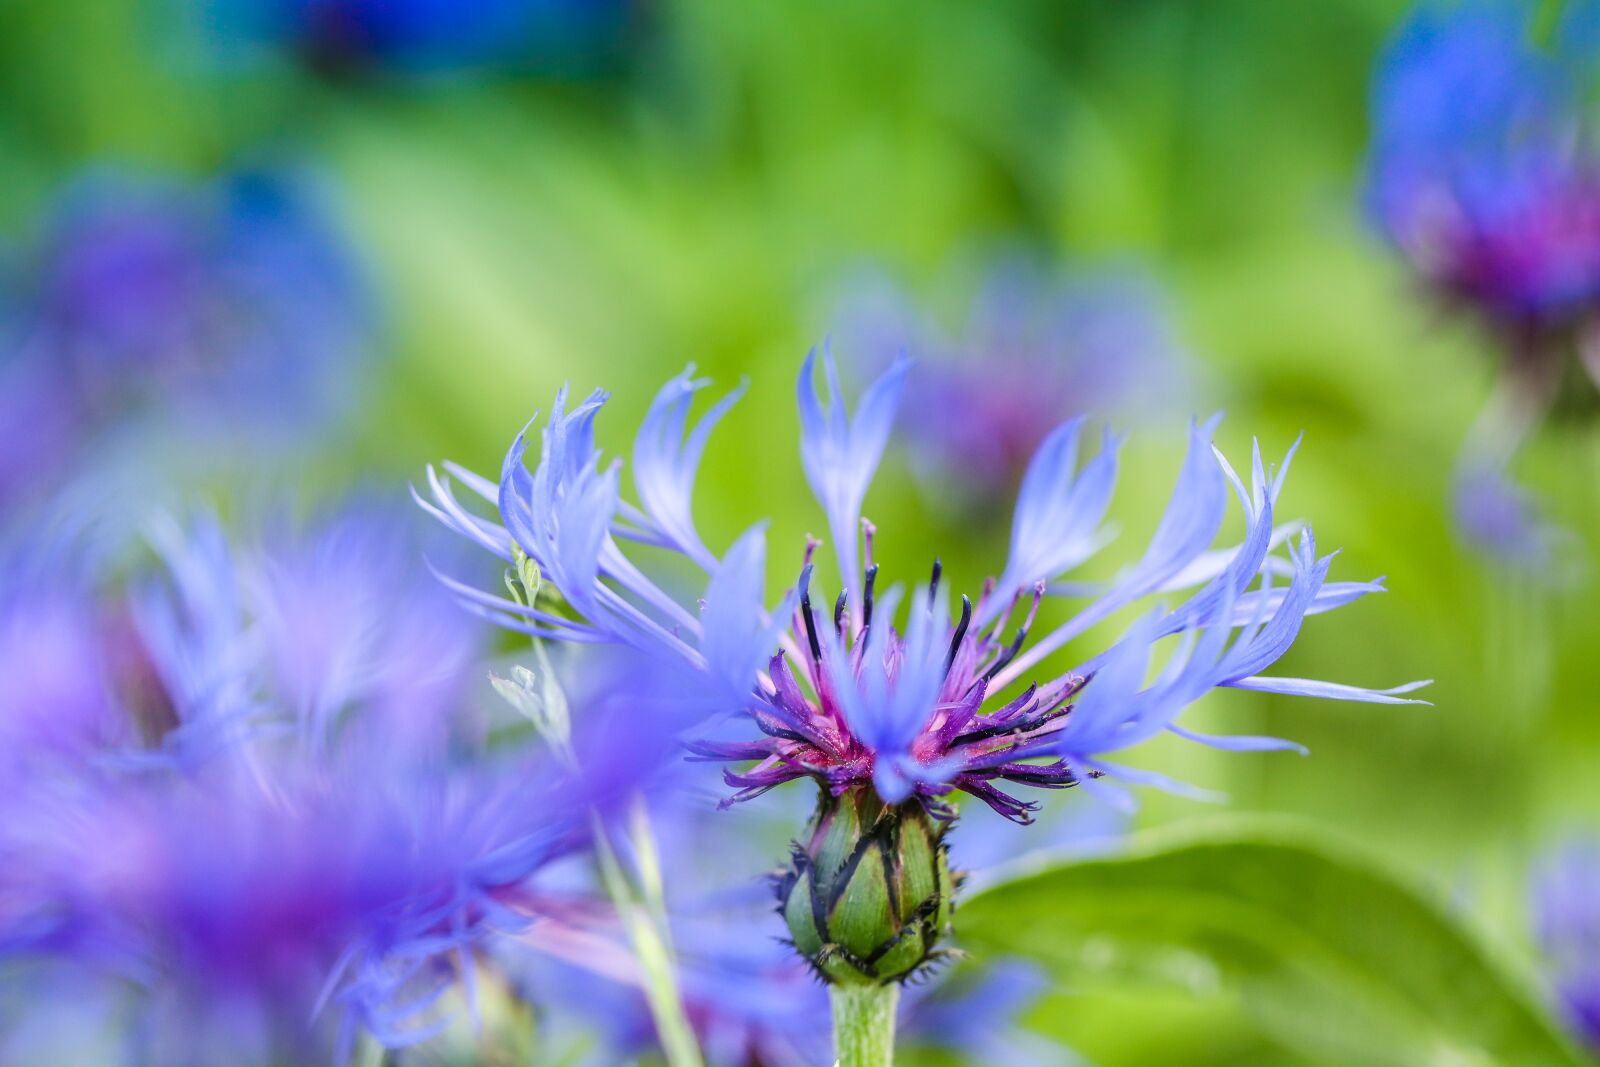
645 921
863 1024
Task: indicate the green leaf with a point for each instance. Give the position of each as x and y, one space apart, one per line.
1331 952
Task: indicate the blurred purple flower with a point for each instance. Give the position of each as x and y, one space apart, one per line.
41 422
193 628
427 37
751 1002
1566 908
280 907
1076 825
1035 349
1502 518
318 843
747 997
348 617
976 1015
1483 174
60 709
848 699
228 288
1481 171
59 703
225 304
302 630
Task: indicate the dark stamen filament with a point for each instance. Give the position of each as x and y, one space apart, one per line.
866 596
1012 649
961 631
805 613
1008 655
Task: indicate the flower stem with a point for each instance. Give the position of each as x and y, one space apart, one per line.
642 909
863 1024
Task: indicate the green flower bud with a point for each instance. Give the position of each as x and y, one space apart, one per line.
867 897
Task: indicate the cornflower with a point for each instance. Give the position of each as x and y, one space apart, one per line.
1483 175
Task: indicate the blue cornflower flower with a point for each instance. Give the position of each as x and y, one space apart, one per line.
1481 169
1036 348
1483 173
1566 907
426 37
287 907
284 835
934 704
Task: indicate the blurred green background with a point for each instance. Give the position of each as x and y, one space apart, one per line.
703 193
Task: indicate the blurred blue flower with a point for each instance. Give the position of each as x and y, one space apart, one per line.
1502 518
228 304
300 631
976 1015
60 703
1566 909
1483 173
42 420
1078 825
1034 350
427 37
284 906
747 997
850 697
1482 170
193 627
61 708
239 288
267 816
347 618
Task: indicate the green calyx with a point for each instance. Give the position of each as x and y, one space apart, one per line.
868 895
